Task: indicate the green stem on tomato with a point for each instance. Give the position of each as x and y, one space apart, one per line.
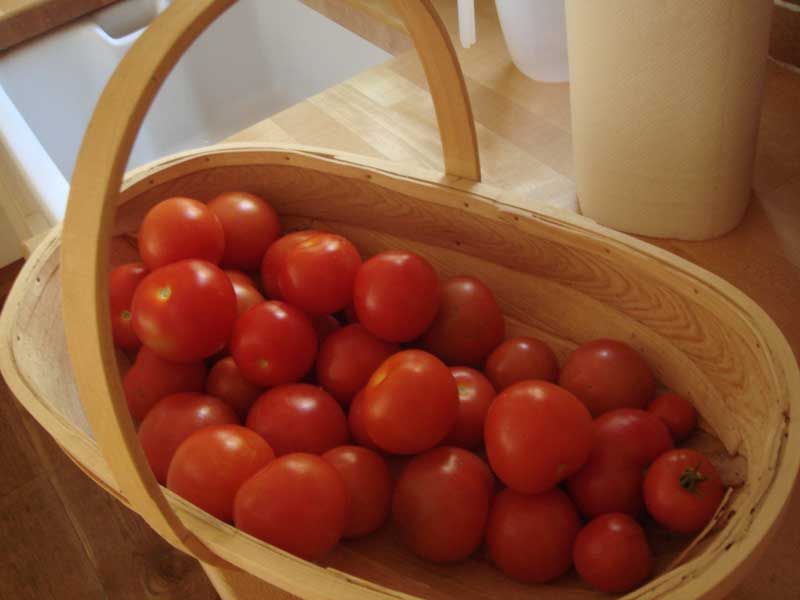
690 478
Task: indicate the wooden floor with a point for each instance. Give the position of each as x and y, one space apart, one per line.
62 537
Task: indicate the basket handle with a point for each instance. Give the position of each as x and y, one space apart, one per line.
92 205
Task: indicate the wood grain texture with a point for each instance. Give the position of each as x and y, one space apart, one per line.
21 20
552 271
374 23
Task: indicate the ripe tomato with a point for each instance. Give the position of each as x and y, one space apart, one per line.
274 258
441 503
210 466
396 295
325 325
521 359
530 537
226 382
682 490
250 226
677 413
358 427
369 487
184 312
475 394
298 417
247 294
607 374
122 283
150 378
347 358
180 228
609 482
536 435
639 434
298 503
318 274
469 324
273 343
612 554
172 420
411 403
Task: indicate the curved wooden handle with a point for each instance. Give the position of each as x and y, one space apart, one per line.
92 204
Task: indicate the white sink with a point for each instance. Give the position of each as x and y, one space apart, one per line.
255 60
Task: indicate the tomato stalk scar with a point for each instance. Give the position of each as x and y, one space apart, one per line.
690 478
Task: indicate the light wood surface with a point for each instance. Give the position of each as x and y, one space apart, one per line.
21 20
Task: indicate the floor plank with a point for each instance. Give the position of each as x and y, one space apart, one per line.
42 558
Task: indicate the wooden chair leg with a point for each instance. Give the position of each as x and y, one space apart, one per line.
235 584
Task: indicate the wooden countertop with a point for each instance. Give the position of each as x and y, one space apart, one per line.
524 136
23 19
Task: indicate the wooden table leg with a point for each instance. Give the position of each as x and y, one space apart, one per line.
235 584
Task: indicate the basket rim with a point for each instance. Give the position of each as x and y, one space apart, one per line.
775 499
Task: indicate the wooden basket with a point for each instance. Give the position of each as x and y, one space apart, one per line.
557 276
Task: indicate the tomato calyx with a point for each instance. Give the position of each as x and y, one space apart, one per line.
164 293
690 478
125 315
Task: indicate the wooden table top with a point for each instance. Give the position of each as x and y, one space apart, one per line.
524 137
21 20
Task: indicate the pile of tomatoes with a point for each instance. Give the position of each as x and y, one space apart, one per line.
276 379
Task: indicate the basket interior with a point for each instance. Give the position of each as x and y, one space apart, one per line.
553 279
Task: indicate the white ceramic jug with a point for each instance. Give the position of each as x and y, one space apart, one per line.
535 33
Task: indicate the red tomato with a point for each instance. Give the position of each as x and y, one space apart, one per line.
210 466
611 554
369 487
298 503
226 382
347 358
396 295
441 503
274 258
250 226
150 378
247 294
521 359
350 315
185 312
677 413
469 324
609 482
273 343
358 427
607 374
299 417
411 403
325 325
639 434
180 228
172 420
530 537
475 394
682 490
536 435
318 274
122 283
